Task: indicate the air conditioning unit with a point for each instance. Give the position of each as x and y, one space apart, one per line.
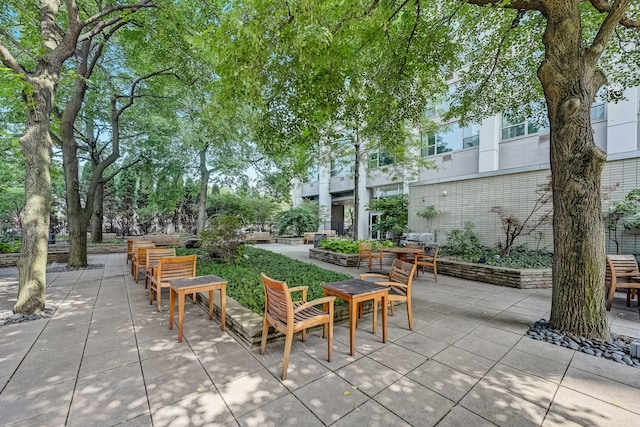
447 157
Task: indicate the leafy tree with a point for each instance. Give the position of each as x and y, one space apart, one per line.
35 54
223 237
394 214
296 220
507 54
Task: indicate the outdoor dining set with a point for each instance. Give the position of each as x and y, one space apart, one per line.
284 312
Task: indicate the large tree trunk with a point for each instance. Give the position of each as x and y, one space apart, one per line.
98 214
204 187
570 83
36 148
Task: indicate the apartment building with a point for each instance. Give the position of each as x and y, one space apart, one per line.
499 162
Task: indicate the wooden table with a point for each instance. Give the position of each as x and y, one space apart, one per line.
400 251
354 292
192 285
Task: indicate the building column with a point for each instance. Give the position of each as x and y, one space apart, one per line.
622 123
363 197
324 197
489 145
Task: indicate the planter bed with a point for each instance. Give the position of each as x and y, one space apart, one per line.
344 260
60 253
502 276
290 240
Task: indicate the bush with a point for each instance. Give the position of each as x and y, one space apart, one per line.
296 221
223 237
11 247
463 245
349 246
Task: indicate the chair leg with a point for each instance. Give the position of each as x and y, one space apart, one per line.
410 314
612 293
287 353
265 333
330 338
628 297
159 297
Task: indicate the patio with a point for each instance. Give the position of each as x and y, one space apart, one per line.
108 358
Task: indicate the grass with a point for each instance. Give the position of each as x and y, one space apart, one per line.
243 277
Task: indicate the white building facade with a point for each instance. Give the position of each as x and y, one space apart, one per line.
499 162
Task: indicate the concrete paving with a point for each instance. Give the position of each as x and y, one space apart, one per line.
108 358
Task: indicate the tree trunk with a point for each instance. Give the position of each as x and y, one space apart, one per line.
36 148
356 187
570 83
204 187
98 214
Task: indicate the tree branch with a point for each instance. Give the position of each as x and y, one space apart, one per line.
615 15
605 6
104 13
513 4
9 61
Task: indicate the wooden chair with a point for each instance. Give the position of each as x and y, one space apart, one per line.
410 257
426 260
288 316
622 272
365 251
135 258
171 268
153 257
130 245
399 281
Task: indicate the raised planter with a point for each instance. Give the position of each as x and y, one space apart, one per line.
60 253
344 260
290 240
503 276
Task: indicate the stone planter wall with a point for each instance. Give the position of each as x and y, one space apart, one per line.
511 277
290 240
344 260
60 253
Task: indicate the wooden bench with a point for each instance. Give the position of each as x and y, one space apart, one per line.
258 236
622 272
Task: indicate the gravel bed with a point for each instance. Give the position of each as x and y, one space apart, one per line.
616 350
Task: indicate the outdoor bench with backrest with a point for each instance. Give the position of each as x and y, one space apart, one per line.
258 236
310 236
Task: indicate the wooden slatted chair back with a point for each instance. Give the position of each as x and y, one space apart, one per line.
402 272
130 246
288 316
621 272
178 267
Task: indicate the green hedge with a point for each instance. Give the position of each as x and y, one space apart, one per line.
243 276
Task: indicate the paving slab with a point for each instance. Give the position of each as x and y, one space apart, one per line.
107 357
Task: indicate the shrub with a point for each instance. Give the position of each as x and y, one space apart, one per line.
10 247
348 246
296 221
223 237
464 243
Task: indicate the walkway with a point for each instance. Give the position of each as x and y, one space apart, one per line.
108 358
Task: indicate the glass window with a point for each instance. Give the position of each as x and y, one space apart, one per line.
379 158
451 137
342 166
313 174
598 111
470 136
514 126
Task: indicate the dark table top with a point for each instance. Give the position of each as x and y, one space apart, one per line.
195 281
354 287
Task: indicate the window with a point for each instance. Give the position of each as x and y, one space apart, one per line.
470 136
313 174
342 166
388 190
442 104
598 111
450 138
514 126
380 157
